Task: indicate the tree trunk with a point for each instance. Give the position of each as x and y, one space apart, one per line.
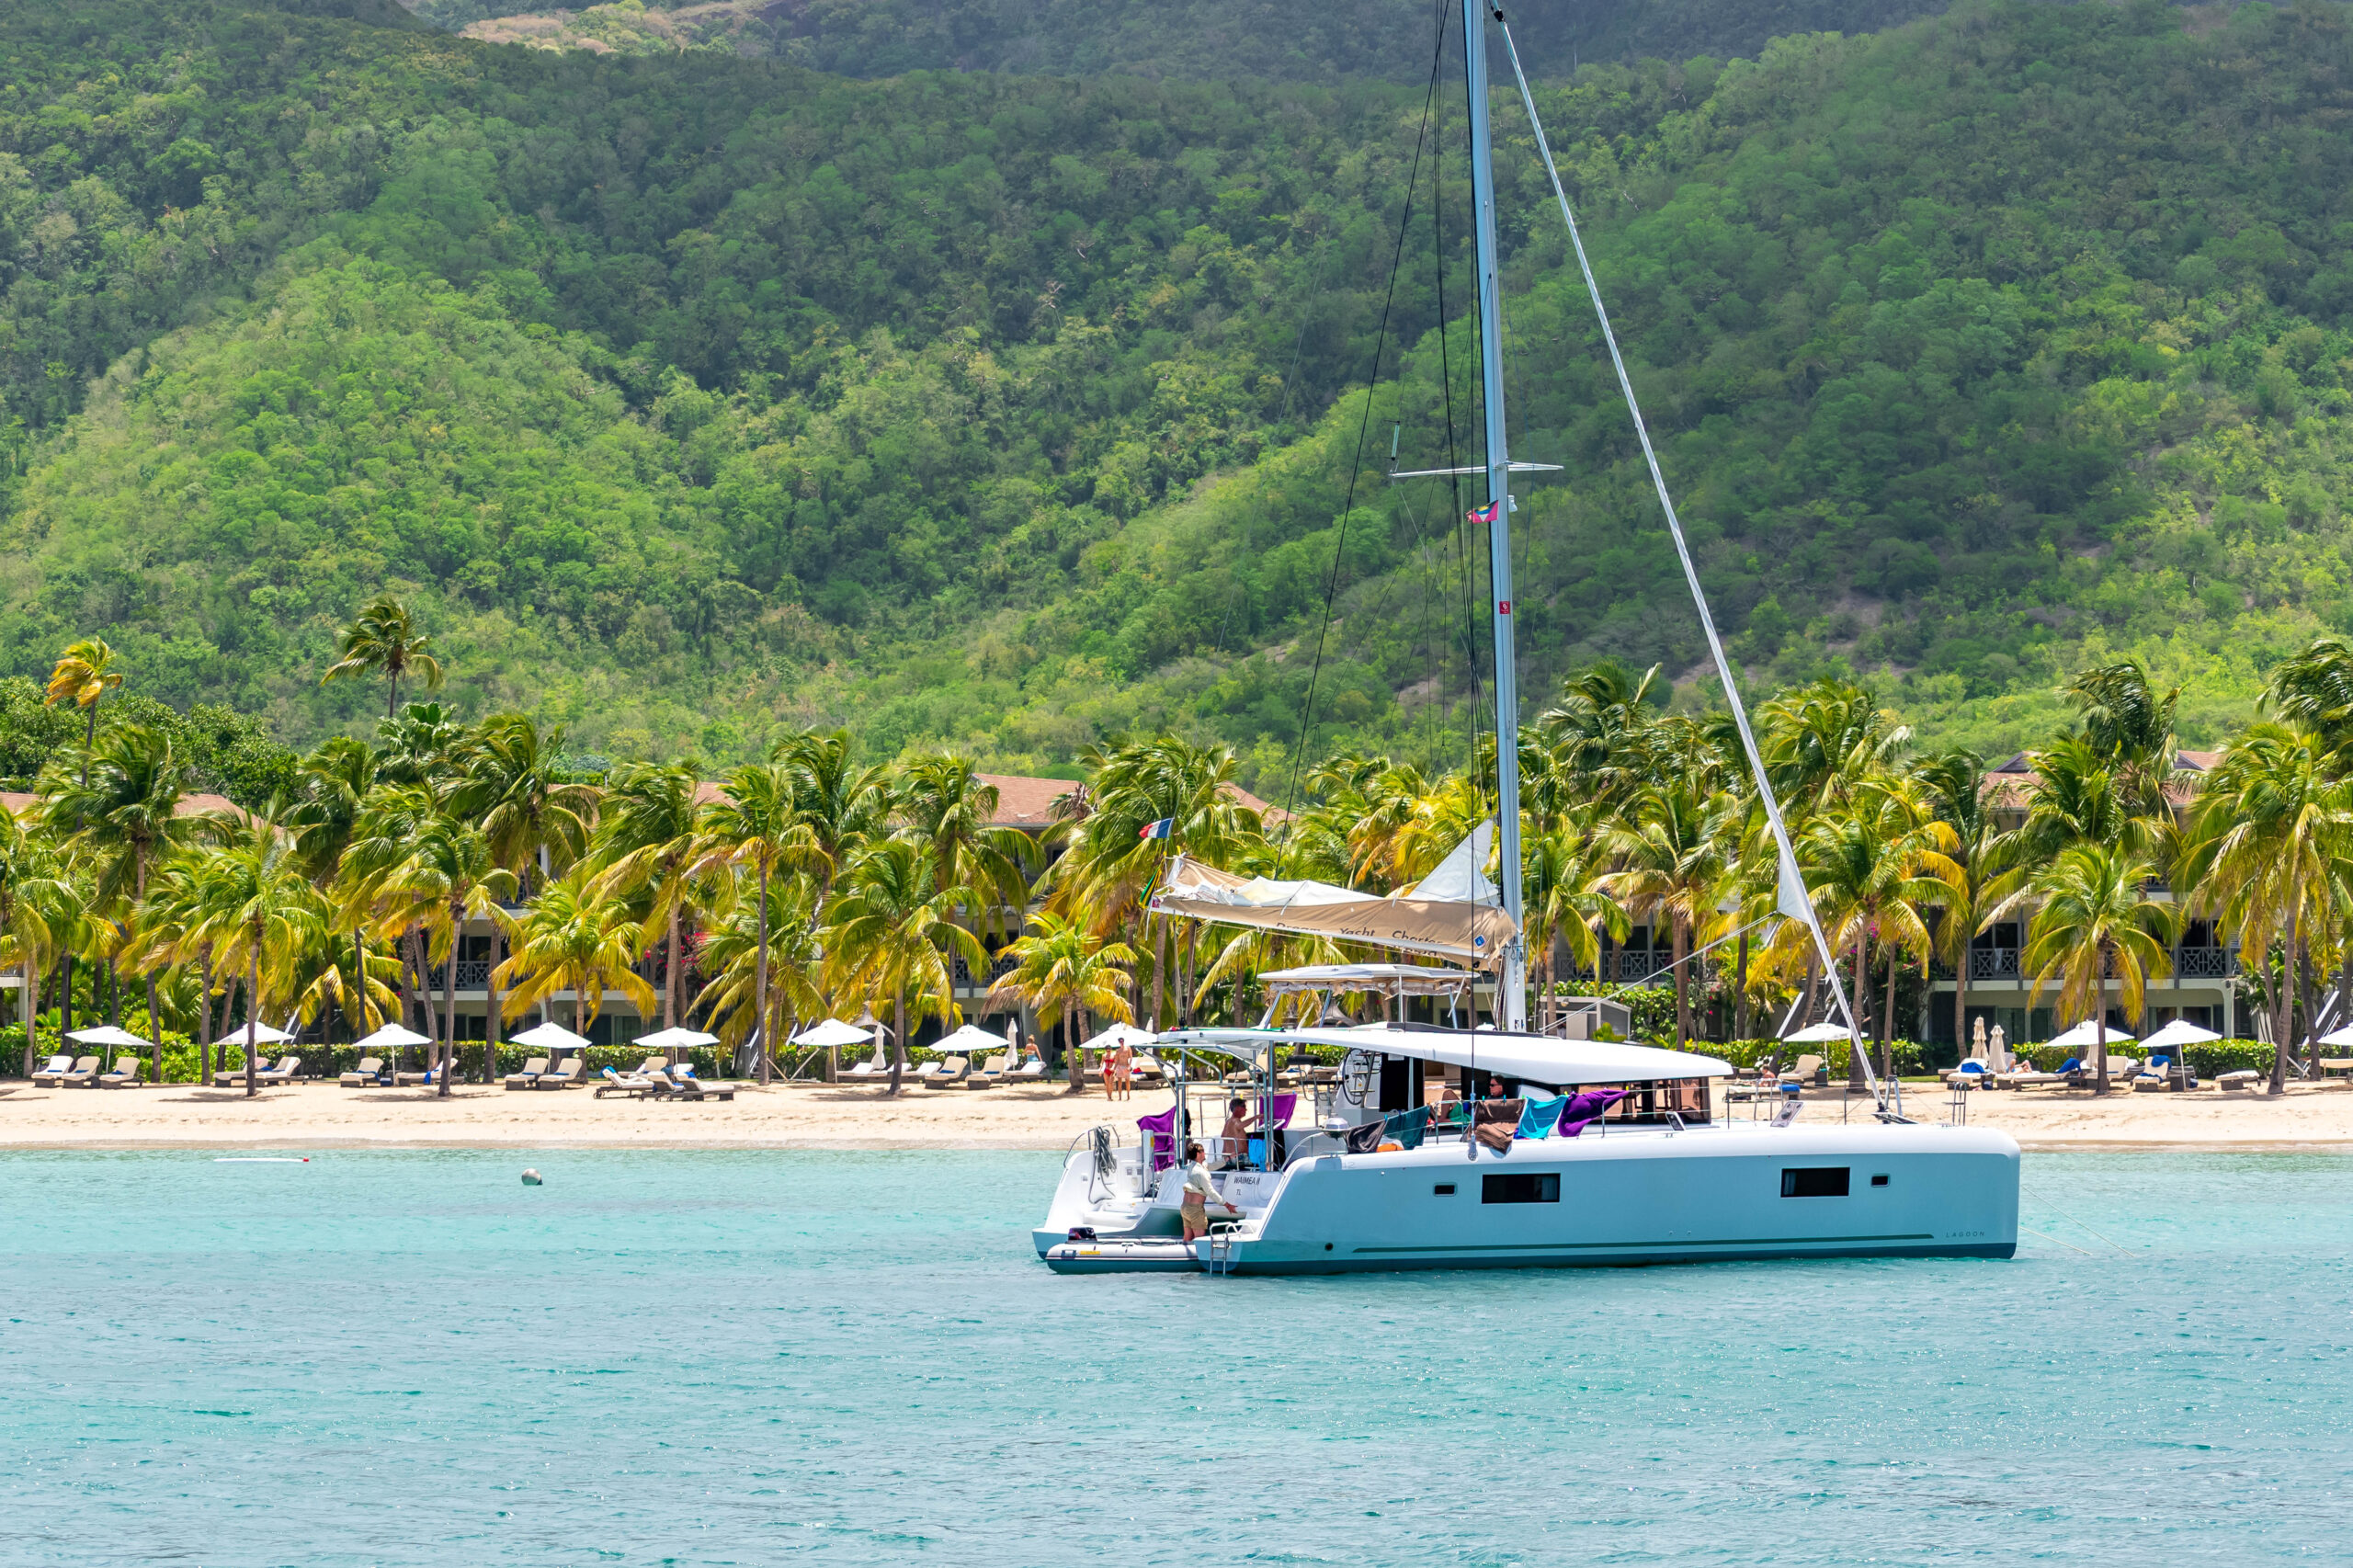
32 1009
1856 1018
253 993
2283 1012
2310 1032
65 997
204 1019
1681 940
1887 1021
1961 1000
670 975
1740 991
114 990
761 967
450 997
2099 1029
491 1020
898 1039
1159 973
1074 1059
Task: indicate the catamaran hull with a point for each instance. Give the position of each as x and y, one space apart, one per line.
1711 1194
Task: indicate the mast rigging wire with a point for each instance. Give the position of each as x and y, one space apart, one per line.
1788 868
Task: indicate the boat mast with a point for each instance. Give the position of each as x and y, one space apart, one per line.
1511 988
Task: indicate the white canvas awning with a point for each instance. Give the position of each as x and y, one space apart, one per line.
1535 1058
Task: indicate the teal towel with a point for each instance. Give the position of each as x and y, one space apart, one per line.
1408 1126
1541 1117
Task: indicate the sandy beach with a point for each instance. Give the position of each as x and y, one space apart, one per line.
2317 1118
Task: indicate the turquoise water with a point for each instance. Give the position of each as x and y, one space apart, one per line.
398 1358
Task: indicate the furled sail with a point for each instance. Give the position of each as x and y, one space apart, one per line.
1452 912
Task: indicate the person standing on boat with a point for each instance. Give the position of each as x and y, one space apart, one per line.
1234 1141
1200 1193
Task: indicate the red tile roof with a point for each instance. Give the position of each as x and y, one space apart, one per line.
1025 802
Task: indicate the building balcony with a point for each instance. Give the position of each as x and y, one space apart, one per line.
2001 966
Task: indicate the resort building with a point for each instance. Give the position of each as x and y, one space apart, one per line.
2204 987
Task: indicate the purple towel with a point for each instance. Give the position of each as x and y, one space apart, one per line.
1585 1109
1284 1105
1160 1138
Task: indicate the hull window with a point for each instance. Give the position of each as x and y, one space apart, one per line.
1814 1181
1532 1188
1443 1190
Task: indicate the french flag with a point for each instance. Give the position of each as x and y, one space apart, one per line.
1160 829
1487 514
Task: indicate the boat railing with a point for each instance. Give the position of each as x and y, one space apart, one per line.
1102 1143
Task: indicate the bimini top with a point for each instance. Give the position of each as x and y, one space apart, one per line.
1531 1058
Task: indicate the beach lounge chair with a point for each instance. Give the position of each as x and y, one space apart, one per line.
952 1072
1803 1071
874 1066
53 1073
922 1072
1033 1071
686 1086
1971 1074
990 1075
2241 1079
429 1078
282 1071
125 1075
634 1084
1146 1068
530 1075
234 1077
2027 1077
368 1074
2329 1064
565 1074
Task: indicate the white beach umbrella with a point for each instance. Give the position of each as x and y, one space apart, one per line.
263 1035
2181 1032
106 1034
2085 1034
671 1041
2337 1038
969 1040
551 1037
1816 1034
832 1032
1118 1035
392 1036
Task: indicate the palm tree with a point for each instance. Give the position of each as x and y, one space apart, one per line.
2129 724
1674 859
1062 973
125 810
85 673
576 937
1955 781
448 879
1874 867
36 908
757 823
2314 690
1824 742
2094 916
746 946
419 745
945 802
2274 825
645 845
515 784
891 930
254 906
384 641
1567 902
841 803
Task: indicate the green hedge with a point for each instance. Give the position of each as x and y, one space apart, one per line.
1913 1059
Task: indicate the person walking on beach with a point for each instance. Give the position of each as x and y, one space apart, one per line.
1200 1193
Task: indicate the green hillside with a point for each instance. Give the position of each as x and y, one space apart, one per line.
693 396
1381 39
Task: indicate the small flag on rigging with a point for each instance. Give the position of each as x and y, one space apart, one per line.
1487 514
1160 829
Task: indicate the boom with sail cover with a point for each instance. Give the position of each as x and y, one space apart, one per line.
1454 912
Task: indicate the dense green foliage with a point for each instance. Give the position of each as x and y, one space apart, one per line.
228 752
693 397
1384 40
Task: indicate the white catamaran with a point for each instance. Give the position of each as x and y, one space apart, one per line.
1438 1145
